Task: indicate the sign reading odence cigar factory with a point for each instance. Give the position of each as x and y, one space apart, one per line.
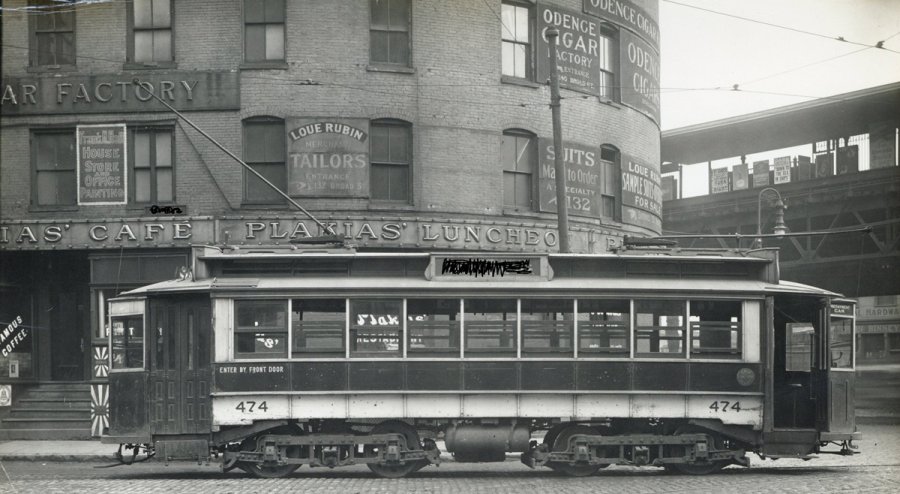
102 173
328 157
577 48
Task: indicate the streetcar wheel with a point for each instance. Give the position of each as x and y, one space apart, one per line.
412 442
267 472
272 471
561 443
704 468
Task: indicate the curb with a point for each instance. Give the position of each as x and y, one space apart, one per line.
59 458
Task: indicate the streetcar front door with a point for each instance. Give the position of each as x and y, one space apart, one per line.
797 377
179 329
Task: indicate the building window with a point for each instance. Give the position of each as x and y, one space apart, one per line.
128 342
54 168
263 30
604 326
375 327
659 328
389 32
547 327
260 329
515 19
152 164
52 33
318 326
715 328
610 190
608 50
264 150
391 159
151 29
433 327
518 153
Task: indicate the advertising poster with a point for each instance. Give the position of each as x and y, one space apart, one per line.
328 157
760 173
101 169
848 160
641 186
824 166
804 168
583 178
718 178
577 49
741 177
782 169
640 75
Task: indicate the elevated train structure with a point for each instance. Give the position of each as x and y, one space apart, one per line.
271 358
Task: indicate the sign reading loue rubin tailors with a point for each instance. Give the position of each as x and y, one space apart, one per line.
102 173
577 48
583 178
328 157
640 186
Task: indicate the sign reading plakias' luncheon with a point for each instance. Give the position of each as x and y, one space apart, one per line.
328 157
583 178
577 48
102 172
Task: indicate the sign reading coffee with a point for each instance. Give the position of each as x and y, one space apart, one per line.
577 49
328 157
583 178
101 164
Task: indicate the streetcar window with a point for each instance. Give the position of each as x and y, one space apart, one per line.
318 326
128 342
841 341
490 327
659 328
603 326
261 329
799 346
433 326
375 327
547 327
715 327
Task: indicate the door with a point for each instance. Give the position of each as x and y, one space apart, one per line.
67 336
179 365
798 378
841 374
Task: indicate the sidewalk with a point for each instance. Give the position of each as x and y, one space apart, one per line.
57 451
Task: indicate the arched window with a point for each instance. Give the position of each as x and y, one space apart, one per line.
518 154
264 151
610 188
390 156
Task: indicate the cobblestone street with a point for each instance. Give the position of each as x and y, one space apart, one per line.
876 469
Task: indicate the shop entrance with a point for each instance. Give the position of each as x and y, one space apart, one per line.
67 342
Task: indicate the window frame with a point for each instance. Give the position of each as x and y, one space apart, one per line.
33 32
246 200
697 328
533 184
266 62
615 175
352 329
237 329
112 347
454 326
390 29
314 352
389 164
153 130
658 329
605 352
131 33
530 57
35 189
611 32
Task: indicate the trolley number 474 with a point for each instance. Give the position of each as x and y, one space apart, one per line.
251 406
725 406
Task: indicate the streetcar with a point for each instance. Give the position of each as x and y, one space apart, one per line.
266 358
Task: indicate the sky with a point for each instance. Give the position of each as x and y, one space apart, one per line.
701 50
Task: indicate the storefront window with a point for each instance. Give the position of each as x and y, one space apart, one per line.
659 328
261 329
375 327
490 327
433 326
128 342
318 326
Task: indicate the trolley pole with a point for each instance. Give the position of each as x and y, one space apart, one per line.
562 208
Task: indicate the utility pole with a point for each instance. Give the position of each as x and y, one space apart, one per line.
562 206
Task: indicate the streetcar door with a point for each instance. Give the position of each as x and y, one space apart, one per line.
841 375
179 365
797 375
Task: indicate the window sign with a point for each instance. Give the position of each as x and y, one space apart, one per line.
782 170
582 165
577 48
101 169
328 157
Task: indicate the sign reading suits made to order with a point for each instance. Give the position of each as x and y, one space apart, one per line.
328 157
101 164
584 176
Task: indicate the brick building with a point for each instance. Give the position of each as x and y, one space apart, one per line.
401 124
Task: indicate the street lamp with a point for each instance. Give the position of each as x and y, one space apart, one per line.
780 228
